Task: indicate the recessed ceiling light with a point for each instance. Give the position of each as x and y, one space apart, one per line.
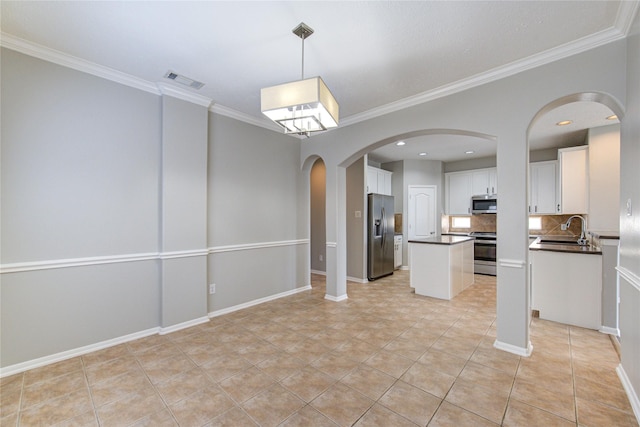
422 154
612 117
564 123
400 143
469 152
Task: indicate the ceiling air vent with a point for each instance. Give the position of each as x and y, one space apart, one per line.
186 81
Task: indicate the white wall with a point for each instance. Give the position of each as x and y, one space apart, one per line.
318 217
604 178
629 268
356 226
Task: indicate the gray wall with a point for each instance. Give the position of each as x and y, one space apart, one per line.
318 217
256 215
119 206
629 267
80 169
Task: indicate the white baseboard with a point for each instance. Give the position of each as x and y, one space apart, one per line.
631 393
321 273
610 331
183 325
357 280
336 299
520 351
69 354
258 301
404 267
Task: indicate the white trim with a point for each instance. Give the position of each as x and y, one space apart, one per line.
626 12
629 276
520 351
60 58
404 268
237 115
183 325
569 49
231 309
183 254
321 273
75 262
357 280
336 299
47 360
609 330
114 259
179 93
631 393
511 263
332 244
263 245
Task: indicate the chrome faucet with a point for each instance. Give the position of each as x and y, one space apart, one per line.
583 234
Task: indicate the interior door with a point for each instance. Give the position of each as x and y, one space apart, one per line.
422 211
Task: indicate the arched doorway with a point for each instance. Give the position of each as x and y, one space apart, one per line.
587 123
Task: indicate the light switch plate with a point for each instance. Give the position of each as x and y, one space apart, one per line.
629 208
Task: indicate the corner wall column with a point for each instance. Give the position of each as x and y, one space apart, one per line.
183 211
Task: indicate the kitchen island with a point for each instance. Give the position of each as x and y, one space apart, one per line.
441 266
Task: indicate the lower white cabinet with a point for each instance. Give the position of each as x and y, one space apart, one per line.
567 287
397 251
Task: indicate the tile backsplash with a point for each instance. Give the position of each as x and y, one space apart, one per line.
550 225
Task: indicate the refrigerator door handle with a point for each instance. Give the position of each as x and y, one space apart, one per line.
384 227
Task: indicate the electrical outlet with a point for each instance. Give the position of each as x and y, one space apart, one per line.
563 227
321 257
212 288
358 214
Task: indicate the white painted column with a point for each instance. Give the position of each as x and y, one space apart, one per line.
336 209
513 303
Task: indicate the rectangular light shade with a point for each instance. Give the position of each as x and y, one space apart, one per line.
300 107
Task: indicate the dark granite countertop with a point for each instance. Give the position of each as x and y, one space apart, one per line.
567 248
614 235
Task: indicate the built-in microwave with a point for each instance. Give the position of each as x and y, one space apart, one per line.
484 204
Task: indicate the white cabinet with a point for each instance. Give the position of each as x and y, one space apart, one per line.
458 193
483 181
543 184
574 179
441 270
397 252
567 287
460 186
378 181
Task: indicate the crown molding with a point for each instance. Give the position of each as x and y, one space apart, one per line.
60 58
176 92
237 115
551 55
626 14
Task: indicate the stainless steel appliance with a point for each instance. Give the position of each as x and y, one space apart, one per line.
380 236
484 253
484 204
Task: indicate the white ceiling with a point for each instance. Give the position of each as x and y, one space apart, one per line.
375 56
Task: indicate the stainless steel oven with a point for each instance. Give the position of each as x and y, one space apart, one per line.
484 253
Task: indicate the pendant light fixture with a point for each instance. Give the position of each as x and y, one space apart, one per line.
302 106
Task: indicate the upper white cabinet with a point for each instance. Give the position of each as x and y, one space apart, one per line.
461 186
483 181
574 179
543 188
378 181
459 192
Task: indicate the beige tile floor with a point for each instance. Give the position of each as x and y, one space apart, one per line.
384 357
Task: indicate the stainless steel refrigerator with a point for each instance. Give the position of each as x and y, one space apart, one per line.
380 236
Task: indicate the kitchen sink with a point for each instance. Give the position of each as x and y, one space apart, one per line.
558 240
